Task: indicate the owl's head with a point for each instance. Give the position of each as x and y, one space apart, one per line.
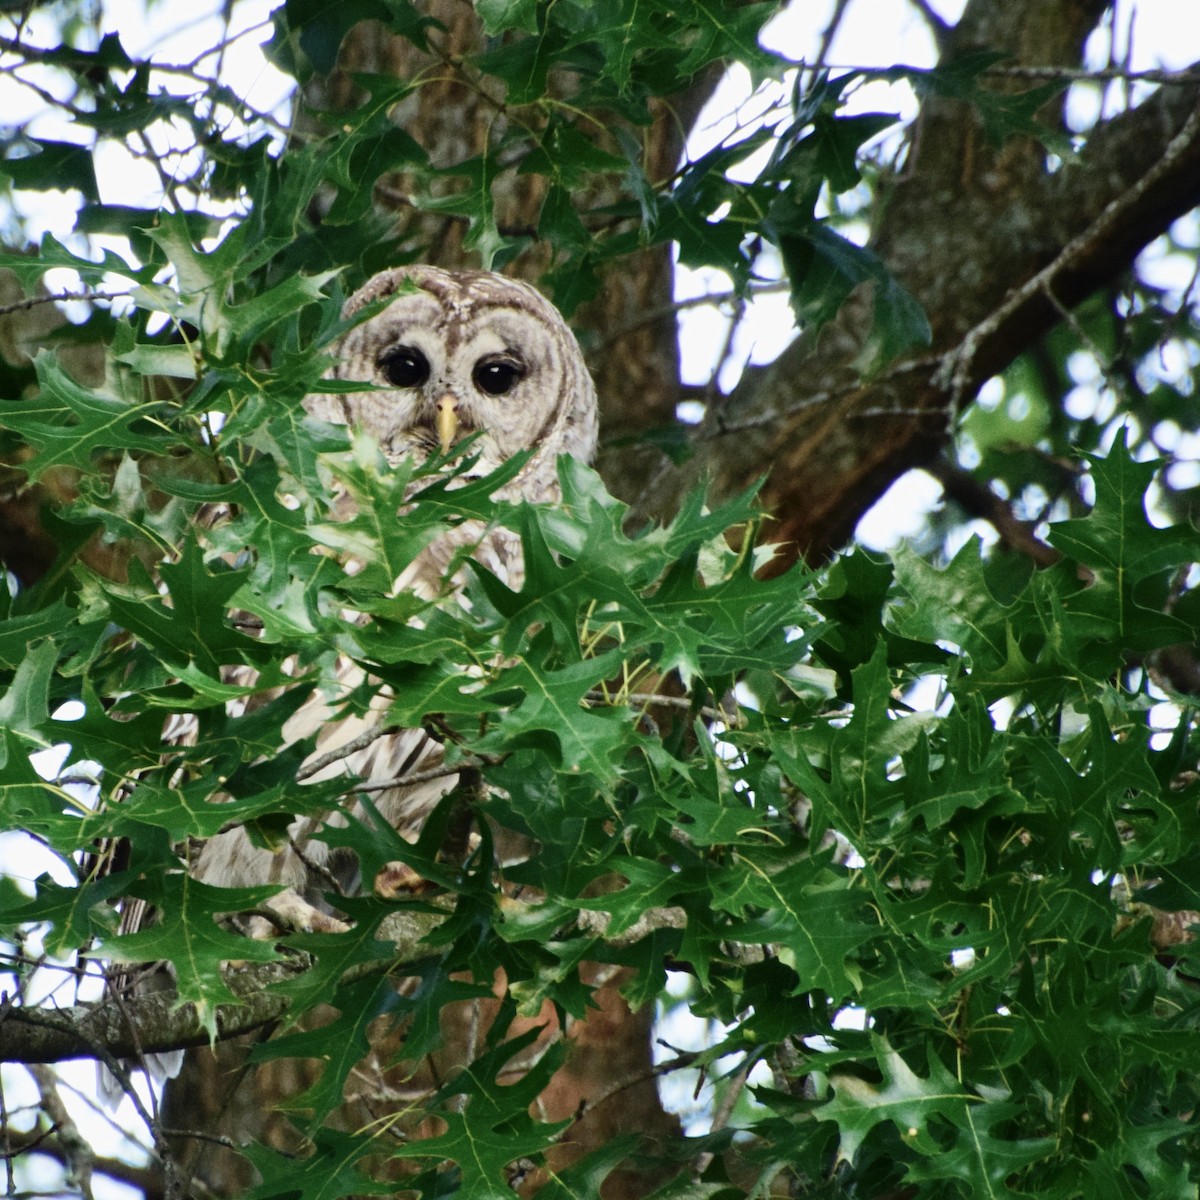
460 352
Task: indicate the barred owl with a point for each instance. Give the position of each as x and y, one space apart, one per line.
453 353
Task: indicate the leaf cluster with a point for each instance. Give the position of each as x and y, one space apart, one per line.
566 93
932 797
910 830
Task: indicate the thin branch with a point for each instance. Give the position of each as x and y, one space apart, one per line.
343 751
441 772
6 1128
217 92
829 33
597 924
78 1156
1189 75
681 702
939 27
216 1139
914 366
955 371
34 301
100 1031
145 1180
980 501
722 1113
650 315
81 1040
63 297
682 1060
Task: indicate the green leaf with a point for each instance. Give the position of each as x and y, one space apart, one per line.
985 1157
329 1172
493 1128
73 426
53 166
824 268
183 632
475 202
1127 557
189 936
902 1097
24 707
500 15
815 917
317 28
72 915
338 1045
1004 112
553 714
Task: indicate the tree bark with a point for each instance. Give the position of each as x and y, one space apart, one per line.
967 228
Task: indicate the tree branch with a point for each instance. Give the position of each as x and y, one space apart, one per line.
146 1180
1085 262
154 1022
980 501
995 249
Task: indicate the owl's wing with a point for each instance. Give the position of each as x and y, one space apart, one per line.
399 769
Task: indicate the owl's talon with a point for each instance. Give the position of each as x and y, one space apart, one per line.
290 913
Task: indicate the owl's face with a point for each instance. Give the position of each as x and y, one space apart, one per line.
463 352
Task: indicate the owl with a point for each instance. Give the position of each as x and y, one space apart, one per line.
451 354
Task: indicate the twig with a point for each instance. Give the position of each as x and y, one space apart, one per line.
650 315
772 416
597 923
34 301
1099 74
433 773
98 1031
361 742
1085 339
655 698
85 1041
6 1128
1189 75
954 373
722 1113
77 1152
218 92
145 1180
981 501
829 33
217 1139
941 29
682 1060
115 996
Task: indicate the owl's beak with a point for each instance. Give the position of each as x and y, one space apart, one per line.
446 421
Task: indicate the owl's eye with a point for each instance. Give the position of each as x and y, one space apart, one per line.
496 375
405 367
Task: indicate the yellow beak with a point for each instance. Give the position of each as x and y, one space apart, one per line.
446 421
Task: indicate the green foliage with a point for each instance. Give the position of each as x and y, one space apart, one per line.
621 57
1061 1052
935 796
